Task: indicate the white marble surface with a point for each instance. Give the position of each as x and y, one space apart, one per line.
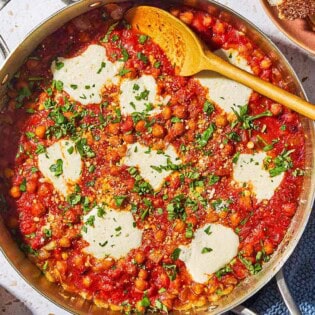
16 20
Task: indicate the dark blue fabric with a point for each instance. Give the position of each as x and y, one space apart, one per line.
299 273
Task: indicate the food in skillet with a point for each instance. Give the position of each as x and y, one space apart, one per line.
137 188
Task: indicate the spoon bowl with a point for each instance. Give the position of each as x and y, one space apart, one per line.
190 56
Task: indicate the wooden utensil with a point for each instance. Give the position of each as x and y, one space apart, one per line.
190 55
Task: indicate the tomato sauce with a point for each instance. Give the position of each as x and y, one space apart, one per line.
48 227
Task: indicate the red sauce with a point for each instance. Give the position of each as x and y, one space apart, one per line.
29 204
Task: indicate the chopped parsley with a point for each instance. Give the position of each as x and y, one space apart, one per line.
176 253
206 250
119 200
208 107
245 120
123 72
142 39
105 39
189 231
142 57
282 163
59 64
84 149
57 168
23 185
145 302
207 230
203 139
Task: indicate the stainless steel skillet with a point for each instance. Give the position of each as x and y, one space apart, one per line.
77 305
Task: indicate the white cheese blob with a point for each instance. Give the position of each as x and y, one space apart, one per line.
84 76
151 163
71 165
139 95
213 246
250 169
223 91
110 233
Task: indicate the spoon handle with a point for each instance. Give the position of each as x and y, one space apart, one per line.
213 62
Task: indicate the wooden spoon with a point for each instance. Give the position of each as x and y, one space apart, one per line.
190 55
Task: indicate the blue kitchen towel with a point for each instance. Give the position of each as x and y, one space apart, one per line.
299 273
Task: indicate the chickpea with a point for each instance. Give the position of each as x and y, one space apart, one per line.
187 17
38 209
158 131
221 121
140 126
8 172
87 281
276 109
160 235
68 115
61 266
113 128
235 219
227 290
143 274
198 288
121 150
139 307
219 28
65 242
64 256
265 63
15 192
178 128
268 247
32 64
40 131
180 111
202 300
167 113
175 12
129 138
228 149
108 263
179 226
141 284
139 257
192 125
31 186
250 145
43 190
248 249
289 208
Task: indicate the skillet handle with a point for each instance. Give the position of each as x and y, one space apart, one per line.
4 47
286 295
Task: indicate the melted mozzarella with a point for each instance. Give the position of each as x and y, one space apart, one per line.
71 165
111 234
84 76
250 169
208 252
223 91
140 95
150 162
